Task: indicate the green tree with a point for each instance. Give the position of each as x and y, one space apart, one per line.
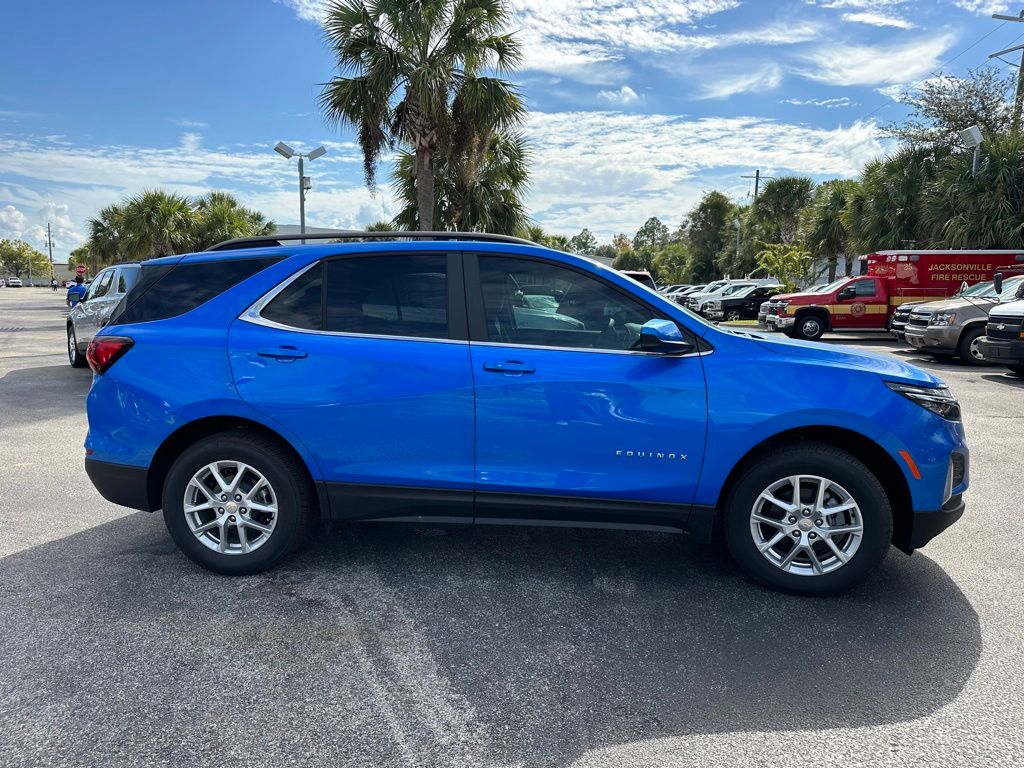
776 211
653 234
789 262
635 258
941 107
584 243
605 252
218 216
963 210
472 194
19 258
707 229
621 243
671 264
410 74
822 227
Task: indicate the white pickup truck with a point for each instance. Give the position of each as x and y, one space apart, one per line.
1004 333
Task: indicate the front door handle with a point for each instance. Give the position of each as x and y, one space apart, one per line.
514 367
282 353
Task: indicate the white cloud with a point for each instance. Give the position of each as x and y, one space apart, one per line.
309 10
624 95
761 79
610 171
191 141
13 223
876 19
986 7
843 101
844 64
198 124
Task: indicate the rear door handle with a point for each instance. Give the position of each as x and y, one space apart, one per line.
509 366
282 353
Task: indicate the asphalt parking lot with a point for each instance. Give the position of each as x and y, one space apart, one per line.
401 646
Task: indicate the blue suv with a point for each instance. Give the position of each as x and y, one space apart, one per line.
253 389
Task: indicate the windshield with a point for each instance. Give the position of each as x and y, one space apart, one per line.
831 286
732 289
1009 289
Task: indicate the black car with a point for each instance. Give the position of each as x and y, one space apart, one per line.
743 306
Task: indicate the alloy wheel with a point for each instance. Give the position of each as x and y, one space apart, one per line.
806 525
230 507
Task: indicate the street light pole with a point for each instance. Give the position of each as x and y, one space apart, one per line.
304 183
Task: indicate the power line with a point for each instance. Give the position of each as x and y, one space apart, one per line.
937 71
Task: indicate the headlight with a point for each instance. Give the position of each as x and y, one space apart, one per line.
938 400
713 305
782 307
942 318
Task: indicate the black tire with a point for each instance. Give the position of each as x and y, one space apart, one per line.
1018 369
963 347
809 459
75 355
733 315
288 477
809 327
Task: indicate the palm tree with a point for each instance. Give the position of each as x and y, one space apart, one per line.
105 232
473 193
963 210
156 223
410 74
776 211
884 212
821 225
218 216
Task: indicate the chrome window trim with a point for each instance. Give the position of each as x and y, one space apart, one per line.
588 349
253 315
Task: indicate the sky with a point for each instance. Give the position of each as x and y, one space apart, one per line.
636 109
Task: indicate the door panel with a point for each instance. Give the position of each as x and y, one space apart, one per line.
373 408
604 421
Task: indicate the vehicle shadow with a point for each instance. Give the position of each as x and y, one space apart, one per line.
53 390
503 646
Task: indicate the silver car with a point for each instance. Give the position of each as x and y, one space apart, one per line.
94 310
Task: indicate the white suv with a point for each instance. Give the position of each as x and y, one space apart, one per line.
94 310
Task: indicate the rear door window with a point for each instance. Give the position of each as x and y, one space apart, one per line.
388 295
300 303
126 279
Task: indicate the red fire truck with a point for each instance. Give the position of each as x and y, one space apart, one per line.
890 278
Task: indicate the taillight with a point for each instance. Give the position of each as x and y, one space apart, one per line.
104 351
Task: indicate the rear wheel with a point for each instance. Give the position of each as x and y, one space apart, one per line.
75 356
809 519
237 503
1018 369
732 315
967 349
810 327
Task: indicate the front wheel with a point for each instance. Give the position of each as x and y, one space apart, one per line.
968 349
237 503
809 519
1018 369
810 328
732 315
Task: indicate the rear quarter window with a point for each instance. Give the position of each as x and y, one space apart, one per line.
165 291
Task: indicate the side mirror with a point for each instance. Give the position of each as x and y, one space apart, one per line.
963 286
664 337
1020 291
999 282
846 293
82 298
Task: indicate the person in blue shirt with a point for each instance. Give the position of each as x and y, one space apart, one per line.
76 292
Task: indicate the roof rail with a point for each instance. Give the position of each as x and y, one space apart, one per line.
348 234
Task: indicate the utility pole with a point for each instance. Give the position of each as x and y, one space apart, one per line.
1018 98
49 245
757 181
